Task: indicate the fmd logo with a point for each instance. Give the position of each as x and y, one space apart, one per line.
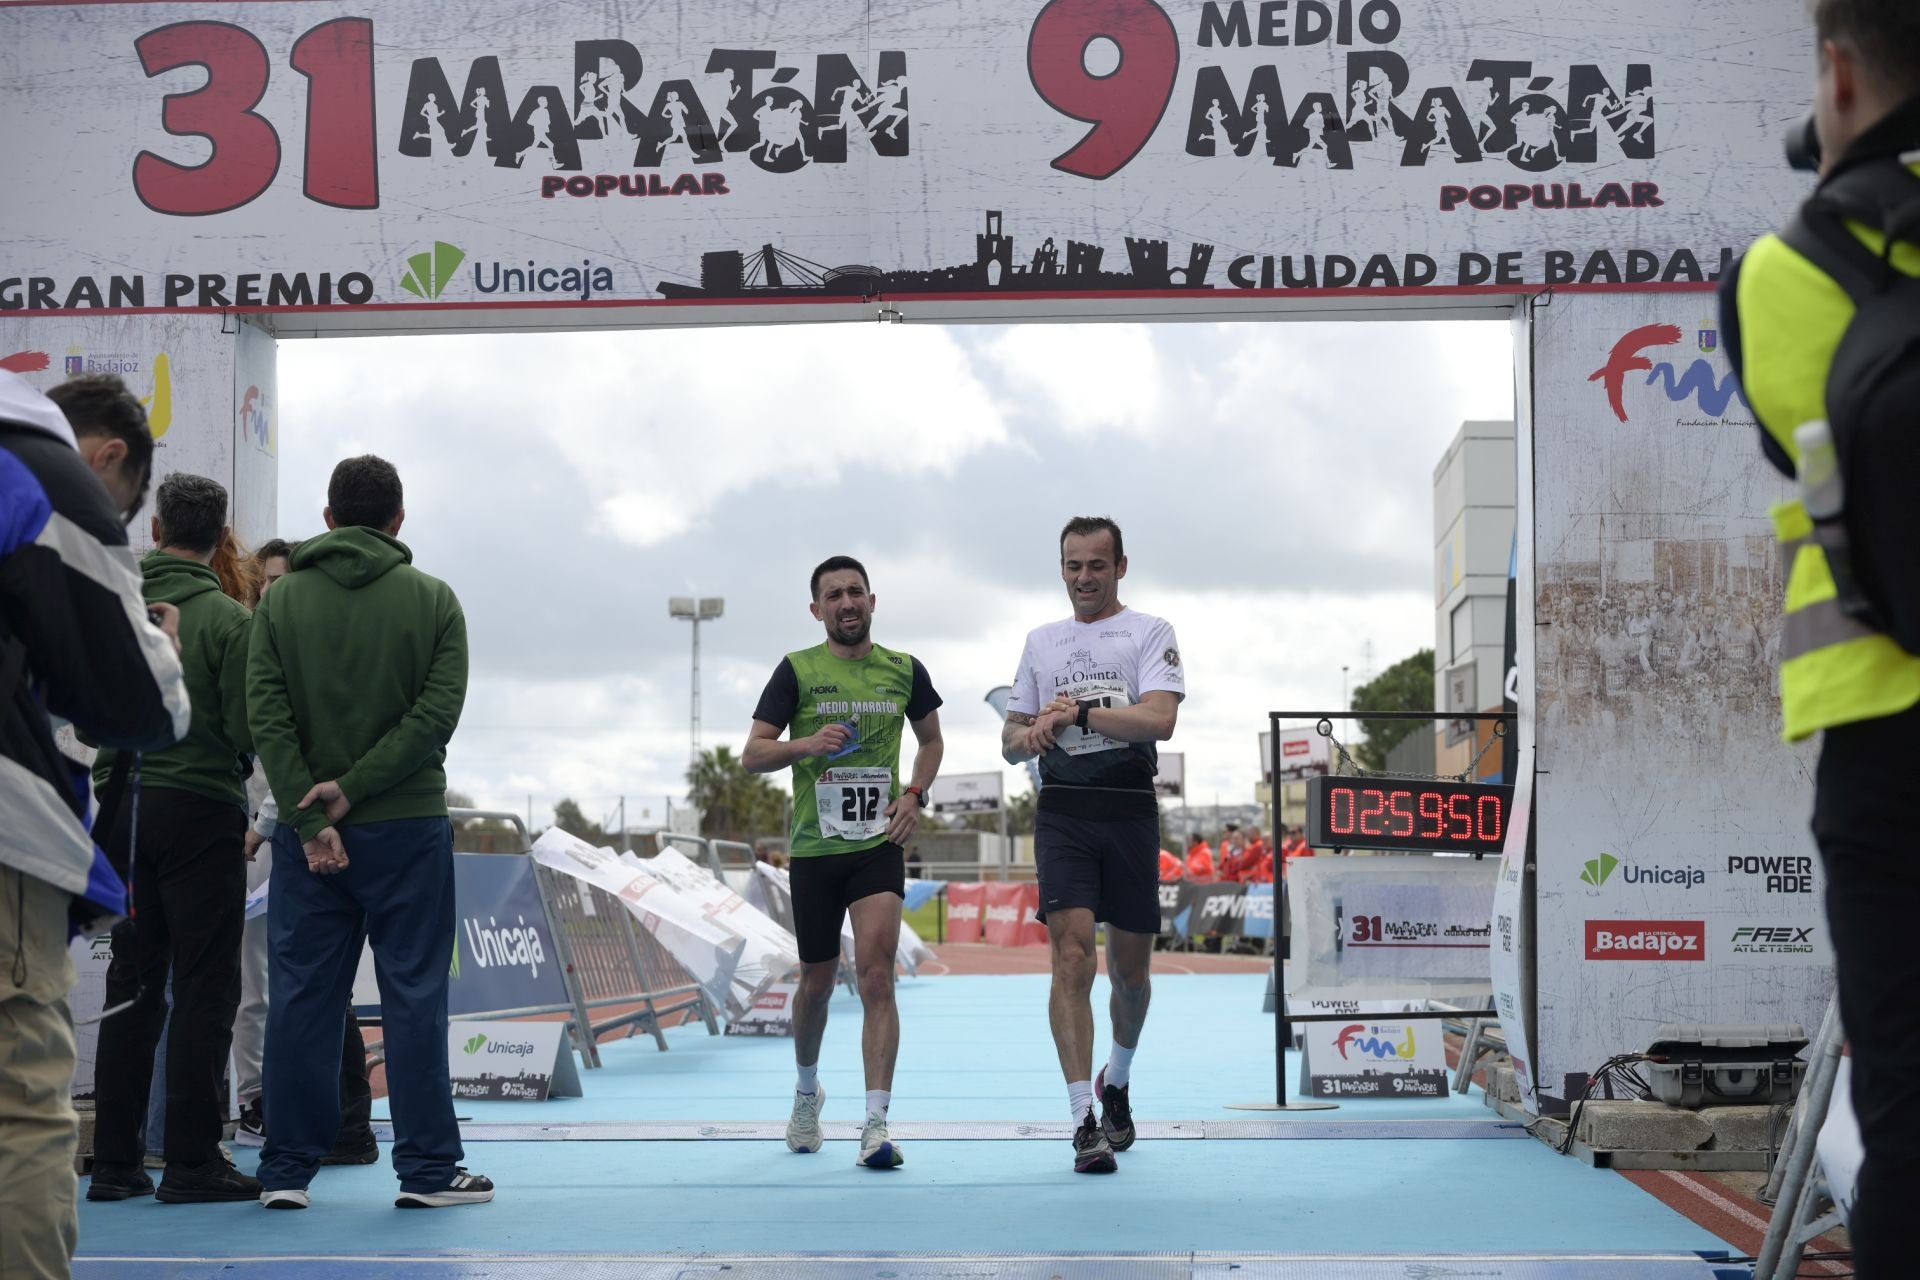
1698 383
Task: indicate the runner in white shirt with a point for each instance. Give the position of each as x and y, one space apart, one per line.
1094 693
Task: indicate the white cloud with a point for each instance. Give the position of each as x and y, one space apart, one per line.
1085 377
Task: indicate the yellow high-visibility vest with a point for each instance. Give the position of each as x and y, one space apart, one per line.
1793 315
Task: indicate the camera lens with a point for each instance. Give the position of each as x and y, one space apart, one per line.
1803 145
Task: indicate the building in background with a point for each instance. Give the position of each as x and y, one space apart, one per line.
1474 492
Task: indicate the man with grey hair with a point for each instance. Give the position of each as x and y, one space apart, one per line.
188 883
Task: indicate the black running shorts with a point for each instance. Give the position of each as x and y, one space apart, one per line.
1111 866
826 884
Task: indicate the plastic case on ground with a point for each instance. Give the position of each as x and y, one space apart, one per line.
1699 1065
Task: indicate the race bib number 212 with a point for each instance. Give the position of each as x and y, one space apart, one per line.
853 802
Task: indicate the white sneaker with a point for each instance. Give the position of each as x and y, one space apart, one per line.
803 1126
466 1188
877 1151
285 1198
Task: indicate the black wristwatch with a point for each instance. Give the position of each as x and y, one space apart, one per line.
1080 717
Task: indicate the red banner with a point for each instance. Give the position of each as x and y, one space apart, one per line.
966 904
1009 916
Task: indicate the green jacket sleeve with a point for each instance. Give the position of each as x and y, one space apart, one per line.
429 723
233 686
275 737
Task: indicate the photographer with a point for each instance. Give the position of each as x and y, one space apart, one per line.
75 643
1824 327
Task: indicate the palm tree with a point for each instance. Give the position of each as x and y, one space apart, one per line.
734 804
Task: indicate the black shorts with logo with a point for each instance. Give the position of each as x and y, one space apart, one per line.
1111 866
825 885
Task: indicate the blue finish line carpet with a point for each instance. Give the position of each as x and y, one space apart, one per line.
598 1186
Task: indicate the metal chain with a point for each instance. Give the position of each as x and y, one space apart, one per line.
1358 770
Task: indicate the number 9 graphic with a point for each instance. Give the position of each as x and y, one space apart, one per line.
1124 106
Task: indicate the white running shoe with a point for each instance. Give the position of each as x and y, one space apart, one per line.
877 1151
285 1198
803 1126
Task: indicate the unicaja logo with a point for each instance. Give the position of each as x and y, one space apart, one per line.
1598 870
429 274
473 1045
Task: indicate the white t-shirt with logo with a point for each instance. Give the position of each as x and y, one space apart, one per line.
1111 663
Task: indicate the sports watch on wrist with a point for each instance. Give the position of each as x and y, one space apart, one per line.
1080 716
918 793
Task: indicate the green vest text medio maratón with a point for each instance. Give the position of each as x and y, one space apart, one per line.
1793 316
871 695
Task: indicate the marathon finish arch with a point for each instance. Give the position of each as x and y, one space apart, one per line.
332 167
186 184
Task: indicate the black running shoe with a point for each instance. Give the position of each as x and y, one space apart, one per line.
214 1182
466 1188
117 1182
363 1150
251 1130
1092 1153
1116 1112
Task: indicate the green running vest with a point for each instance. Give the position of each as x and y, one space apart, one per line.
840 806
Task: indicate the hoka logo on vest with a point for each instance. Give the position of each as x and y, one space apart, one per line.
1699 381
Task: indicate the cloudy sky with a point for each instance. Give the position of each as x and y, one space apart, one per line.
1274 482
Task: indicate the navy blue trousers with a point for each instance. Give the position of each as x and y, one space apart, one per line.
397 893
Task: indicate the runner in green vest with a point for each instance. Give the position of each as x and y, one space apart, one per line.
845 702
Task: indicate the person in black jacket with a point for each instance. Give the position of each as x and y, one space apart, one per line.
76 644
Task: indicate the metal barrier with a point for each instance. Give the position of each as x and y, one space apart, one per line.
604 957
611 962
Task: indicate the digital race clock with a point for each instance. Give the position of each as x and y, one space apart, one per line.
1402 813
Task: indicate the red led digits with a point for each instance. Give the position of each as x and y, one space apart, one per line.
337 60
1459 817
1123 107
1484 829
1333 805
1376 805
246 150
1432 810
1400 814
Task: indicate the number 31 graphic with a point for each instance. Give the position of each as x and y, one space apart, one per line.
1125 105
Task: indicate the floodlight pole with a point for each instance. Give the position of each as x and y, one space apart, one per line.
696 611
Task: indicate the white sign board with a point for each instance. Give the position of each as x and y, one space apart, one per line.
511 1061
1375 1059
409 165
1303 753
969 793
771 1014
1677 878
1417 930
1170 779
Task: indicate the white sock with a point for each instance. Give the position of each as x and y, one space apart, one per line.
878 1100
1120 1065
1080 1099
809 1079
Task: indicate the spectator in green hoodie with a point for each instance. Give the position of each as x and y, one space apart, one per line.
356 677
189 882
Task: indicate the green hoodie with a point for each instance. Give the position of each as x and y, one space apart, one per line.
357 674
215 757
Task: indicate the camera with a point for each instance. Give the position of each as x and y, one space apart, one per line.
1803 145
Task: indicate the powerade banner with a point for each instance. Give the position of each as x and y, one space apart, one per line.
389 165
1227 909
503 953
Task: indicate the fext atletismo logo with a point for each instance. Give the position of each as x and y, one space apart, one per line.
1646 940
1699 383
1772 940
429 273
1369 1042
